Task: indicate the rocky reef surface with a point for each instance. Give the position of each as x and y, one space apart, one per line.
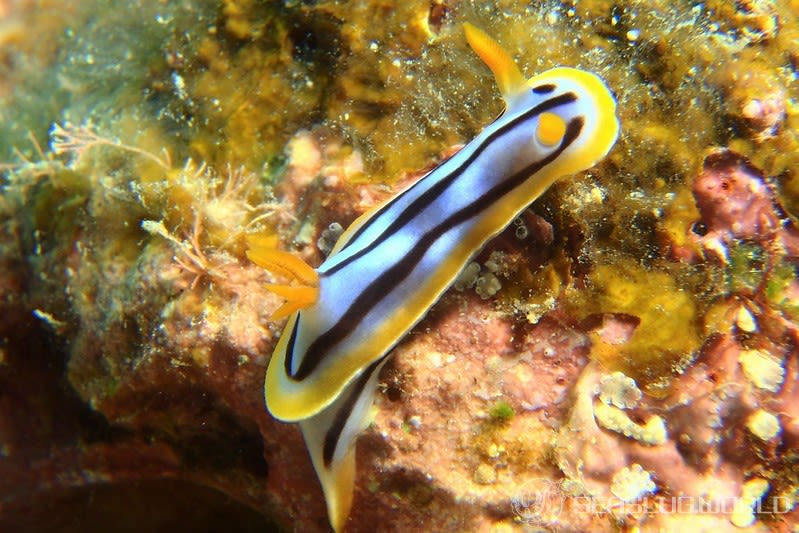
625 355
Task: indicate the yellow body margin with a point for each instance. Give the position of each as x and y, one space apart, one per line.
604 106
338 488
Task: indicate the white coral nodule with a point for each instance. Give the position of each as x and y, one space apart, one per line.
762 369
631 483
620 390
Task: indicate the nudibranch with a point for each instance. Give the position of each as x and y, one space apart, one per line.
394 262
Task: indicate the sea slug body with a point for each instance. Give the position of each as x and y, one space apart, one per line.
395 261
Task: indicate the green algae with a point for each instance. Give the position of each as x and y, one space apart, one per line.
501 412
746 268
779 281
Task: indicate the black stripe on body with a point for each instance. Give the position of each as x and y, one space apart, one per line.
334 432
290 346
393 276
544 89
429 196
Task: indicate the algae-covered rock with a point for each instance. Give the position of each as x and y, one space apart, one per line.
631 337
